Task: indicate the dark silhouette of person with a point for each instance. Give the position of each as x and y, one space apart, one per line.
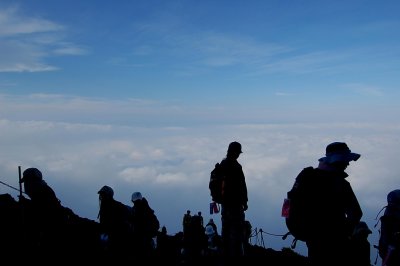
162 243
335 207
187 218
212 224
194 242
389 240
360 247
46 218
201 218
234 204
143 230
114 217
213 242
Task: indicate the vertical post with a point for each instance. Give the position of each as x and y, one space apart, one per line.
20 184
20 201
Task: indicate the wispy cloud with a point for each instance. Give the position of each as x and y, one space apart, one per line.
12 24
207 48
365 90
26 42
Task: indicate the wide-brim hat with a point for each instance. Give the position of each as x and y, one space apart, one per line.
339 152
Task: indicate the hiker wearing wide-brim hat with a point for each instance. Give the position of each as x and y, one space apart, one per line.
335 210
339 152
337 157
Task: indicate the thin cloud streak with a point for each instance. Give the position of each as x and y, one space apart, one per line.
14 24
28 41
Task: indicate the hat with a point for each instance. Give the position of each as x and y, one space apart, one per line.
393 198
235 147
361 227
136 196
209 230
31 174
339 152
107 191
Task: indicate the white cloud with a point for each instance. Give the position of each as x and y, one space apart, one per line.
172 165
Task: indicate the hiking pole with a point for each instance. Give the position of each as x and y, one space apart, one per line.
20 183
21 202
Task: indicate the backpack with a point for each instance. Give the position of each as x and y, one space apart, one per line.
216 183
389 232
154 224
297 207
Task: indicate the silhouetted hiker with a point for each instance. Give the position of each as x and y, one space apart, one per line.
45 217
162 243
212 224
234 204
336 210
187 217
360 248
145 226
214 242
114 218
194 241
248 228
201 218
389 240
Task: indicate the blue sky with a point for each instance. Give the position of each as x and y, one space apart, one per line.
146 95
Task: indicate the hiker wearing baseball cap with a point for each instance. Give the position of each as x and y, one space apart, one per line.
234 205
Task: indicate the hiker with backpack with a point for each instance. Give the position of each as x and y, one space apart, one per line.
360 247
324 210
45 217
145 226
114 217
233 205
389 239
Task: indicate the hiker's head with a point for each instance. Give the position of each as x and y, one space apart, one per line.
106 192
234 149
338 154
210 230
136 196
31 175
32 179
393 198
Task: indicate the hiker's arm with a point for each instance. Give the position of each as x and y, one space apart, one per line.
353 209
